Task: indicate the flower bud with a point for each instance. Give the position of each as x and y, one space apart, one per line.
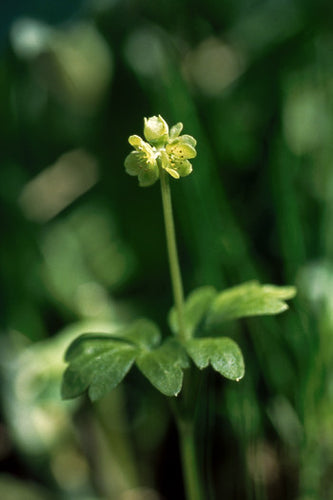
156 130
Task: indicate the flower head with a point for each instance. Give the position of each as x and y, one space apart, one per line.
164 149
156 130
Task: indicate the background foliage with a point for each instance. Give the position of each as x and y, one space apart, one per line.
82 247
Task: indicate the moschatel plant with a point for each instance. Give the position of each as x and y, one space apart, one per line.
99 362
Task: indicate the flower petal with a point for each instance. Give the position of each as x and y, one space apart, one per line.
148 177
165 160
135 141
133 163
176 130
156 130
181 150
188 139
184 168
173 173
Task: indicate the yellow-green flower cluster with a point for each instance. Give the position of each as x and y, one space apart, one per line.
163 149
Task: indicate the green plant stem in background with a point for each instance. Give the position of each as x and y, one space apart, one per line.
189 459
112 418
176 278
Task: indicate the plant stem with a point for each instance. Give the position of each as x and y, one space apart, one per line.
189 460
112 418
176 278
184 415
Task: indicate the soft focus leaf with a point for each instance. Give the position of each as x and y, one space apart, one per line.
196 305
101 361
222 353
142 333
101 365
164 367
249 299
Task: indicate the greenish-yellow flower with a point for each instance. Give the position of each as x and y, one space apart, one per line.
164 149
156 130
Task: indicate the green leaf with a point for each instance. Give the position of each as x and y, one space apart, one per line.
99 362
101 366
143 333
281 292
163 367
249 299
222 353
195 308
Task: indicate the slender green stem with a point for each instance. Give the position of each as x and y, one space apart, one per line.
176 278
184 417
189 460
112 418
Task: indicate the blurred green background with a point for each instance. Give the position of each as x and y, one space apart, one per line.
82 247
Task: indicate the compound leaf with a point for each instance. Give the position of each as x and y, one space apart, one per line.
143 333
99 362
163 367
248 299
101 366
222 353
195 308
